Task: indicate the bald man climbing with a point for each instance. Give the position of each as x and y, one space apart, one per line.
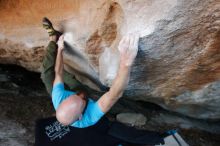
74 108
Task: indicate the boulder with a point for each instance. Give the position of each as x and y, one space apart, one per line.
134 119
178 63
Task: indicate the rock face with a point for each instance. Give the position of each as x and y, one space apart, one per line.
178 63
133 119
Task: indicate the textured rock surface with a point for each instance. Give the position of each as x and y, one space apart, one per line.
178 64
13 134
133 119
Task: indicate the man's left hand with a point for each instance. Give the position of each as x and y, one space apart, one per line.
128 48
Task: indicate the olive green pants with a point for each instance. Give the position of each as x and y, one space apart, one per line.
48 73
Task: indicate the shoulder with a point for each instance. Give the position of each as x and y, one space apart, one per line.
59 94
91 115
93 106
93 110
57 87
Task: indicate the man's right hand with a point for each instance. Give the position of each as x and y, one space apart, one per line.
60 42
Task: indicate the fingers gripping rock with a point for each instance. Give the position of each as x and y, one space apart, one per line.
128 48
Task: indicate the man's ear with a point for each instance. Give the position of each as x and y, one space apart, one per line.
82 93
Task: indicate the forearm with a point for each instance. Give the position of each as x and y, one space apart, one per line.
119 84
121 81
59 63
128 48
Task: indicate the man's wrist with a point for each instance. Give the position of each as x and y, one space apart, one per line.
60 49
124 66
125 63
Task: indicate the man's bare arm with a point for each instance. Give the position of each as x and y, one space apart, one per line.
59 62
128 48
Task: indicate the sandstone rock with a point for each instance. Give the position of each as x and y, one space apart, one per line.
178 64
132 119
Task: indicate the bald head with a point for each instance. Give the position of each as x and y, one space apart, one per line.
70 109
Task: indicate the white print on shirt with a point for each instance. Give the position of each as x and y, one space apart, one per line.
56 130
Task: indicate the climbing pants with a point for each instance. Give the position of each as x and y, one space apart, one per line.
48 72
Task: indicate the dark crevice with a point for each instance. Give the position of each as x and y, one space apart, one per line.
21 76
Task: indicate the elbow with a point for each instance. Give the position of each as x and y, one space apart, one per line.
58 71
120 94
58 74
